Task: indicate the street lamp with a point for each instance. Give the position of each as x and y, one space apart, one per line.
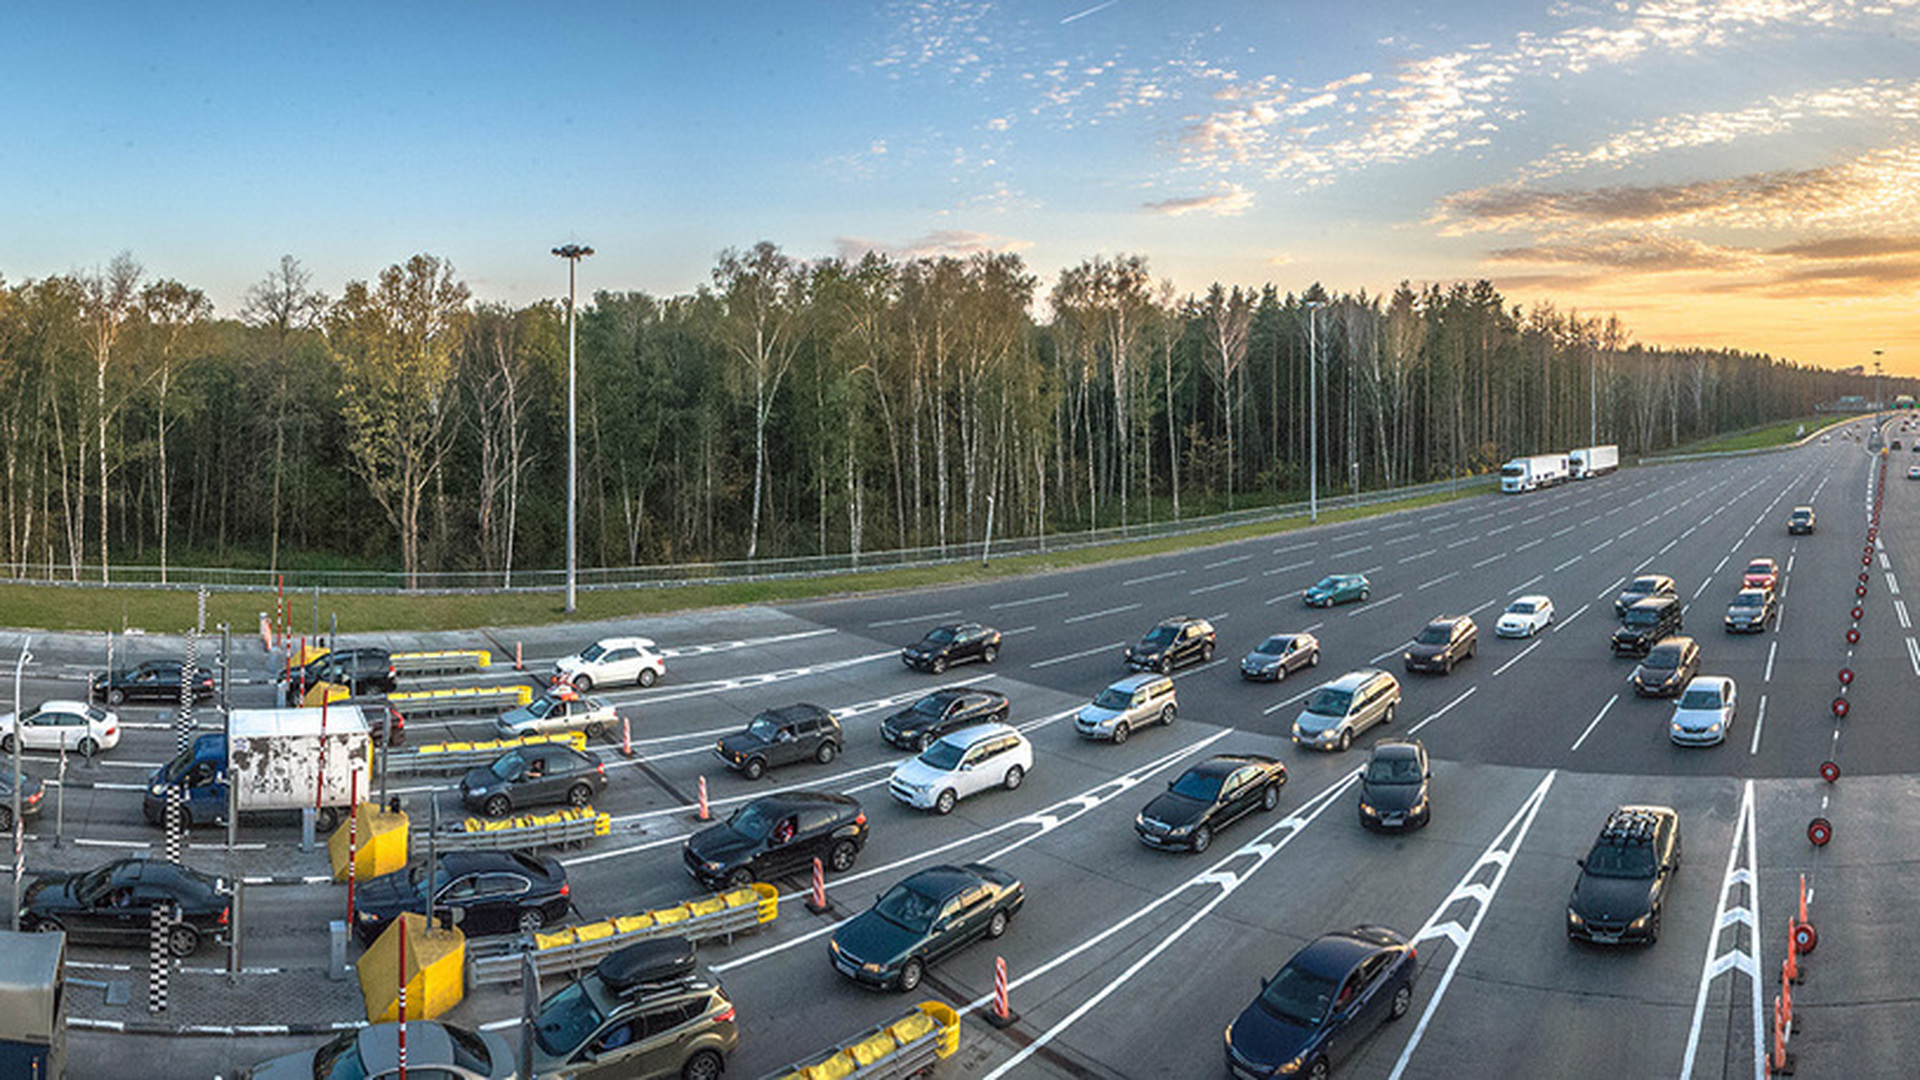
1313 410
573 253
1593 392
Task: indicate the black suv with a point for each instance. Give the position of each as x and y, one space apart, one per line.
643 1011
778 834
781 737
1396 789
1667 667
1443 643
1624 878
1641 588
1173 642
955 643
1646 623
360 670
917 726
1800 522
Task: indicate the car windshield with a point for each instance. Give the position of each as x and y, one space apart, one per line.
92 881
763 729
1327 583
1393 770
1199 786
1113 698
1436 634
1751 599
1703 698
541 708
1520 607
507 766
907 909
1643 585
339 1059
1158 636
942 636
1621 861
931 706
1642 616
1665 658
178 767
751 820
943 756
1274 646
1760 568
1329 702
593 652
567 1019
1296 996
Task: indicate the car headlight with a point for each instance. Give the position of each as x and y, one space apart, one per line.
1574 919
1640 923
1713 728
715 867
364 915
872 969
1179 830
1367 809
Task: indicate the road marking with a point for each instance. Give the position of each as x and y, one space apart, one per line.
1563 532
1702 588
1286 568
1668 547
1498 531
1409 538
1463 542
1153 577
1900 609
1442 711
1277 706
1283 596
1071 619
720 686
1498 856
1595 549
1536 542
935 617
1295 547
1893 585
1448 576
1226 562
1759 722
1913 654
1029 600
1364 608
1215 588
1110 646
1419 556
1525 585
1740 873
1595 722
1351 551
681 651
1568 563
1390 652
1771 649
1722 564
1517 657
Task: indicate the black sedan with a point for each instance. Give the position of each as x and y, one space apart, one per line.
1395 789
919 725
1279 655
1207 798
1323 1003
434 1049
778 834
113 904
954 643
532 776
31 792
155 680
922 919
486 892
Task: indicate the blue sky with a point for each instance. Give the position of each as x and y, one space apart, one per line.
1740 173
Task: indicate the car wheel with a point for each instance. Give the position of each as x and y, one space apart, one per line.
1270 798
842 857
1202 839
1448 669
739 877
1346 740
939 665
754 769
926 741
87 746
910 973
327 818
1166 715
1206 652
705 1065
116 696
647 677
1387 717
944 803
1119 733
989 654
1166 665
826 753
6 743
997 925
1314 660
531 921
1014 776
579 795
596 729
582 683
182 940
45 924
1402 1001
1653 928
1364 594
498 806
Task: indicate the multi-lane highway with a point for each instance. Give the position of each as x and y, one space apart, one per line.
1129 962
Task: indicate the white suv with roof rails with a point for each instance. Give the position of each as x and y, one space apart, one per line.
612 660
963 763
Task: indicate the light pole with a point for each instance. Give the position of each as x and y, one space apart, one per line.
573 253
1593 392
1313 410
19 736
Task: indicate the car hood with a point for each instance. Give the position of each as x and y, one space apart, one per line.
50 892
1313 723
1611 899
481 779
1633 633
1698 719
870 938
721 844
1175 809
1142 649
916 773
1264 1039
1259 659
518 716
1652 676
1425 652
741 743
1392 798
908 720
1315 592
1514 622
1097 714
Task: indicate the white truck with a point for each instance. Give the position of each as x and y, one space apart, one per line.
1529 473
279 759
1591 461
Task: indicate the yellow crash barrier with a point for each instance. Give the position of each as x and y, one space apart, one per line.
323 692
929 1020
437 659
575 739
519 695
602 823
381 836
436 961
760 894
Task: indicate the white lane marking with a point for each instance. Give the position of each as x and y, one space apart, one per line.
677 652
1702 588
1419 555
1884 564
1595 549
1278 705
1489 560
1071 619
1499 856
1668 547
1900 610
720 686
1364 608
1767 677
1351 551
1484 605
1595 722
1295 547
1463 542
1722 564
1536 542
1284 596
1759 722
1517 657
1109 647
1568 563
1218 877
1498 531
1448 576
1286 568
1718 962
1163 575
1442 710
1018 630
1226 562
1029 600
1893 585
1527 584
1216 588
934 618
1563 532
1390 652
1913 654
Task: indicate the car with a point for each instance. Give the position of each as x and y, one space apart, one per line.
153 680
780 737
1913 472
1396 788
1667 667
1443 643
1760 574
1751 611
78 726
963 763
1346 707
918 725
1824 439
361 669
1317 1009
1641 588
485 892
434 1049
561 708
1338 589
778 834
1704 714
1525 617
32 790
1133 702
1894 445
112 904
925 918
641 1013
1646 622
1172 643
1800 522
542 773
954 643
1274 658
1624 878
1209 797
611 661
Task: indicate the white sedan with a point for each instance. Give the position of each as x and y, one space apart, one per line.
1704 713
1525 617
611 661
76 725
562 710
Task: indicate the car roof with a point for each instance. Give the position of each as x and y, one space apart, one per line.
1354 680
799 710
1760 560
1671 641
1757 594
1334 954
956 627
1180 620
625 642
951 692
428 1045
1654 603
1397 748
1652 579
974 733
1448 621
1803 509
941 882
1134 682
789 800
1223 764
1535 599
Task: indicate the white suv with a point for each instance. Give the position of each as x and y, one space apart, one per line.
963 762
612 660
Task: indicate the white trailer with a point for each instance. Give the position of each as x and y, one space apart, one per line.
280 759
1530 473
1591 461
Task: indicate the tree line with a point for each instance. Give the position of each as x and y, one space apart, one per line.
786 407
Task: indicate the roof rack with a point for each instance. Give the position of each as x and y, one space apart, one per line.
1630 826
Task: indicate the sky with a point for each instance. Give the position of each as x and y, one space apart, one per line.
1723 173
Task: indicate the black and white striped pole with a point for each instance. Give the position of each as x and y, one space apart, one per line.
159 959
183 738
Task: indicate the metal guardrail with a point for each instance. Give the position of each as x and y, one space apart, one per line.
904 1046
578 948
461 756
525 832
459 700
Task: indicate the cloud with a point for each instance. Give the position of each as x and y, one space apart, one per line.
1851 247
1638 253
1229 202
955 243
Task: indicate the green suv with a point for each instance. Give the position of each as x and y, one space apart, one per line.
642 1013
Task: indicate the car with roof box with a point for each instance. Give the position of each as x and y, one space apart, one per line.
643 1013
1623 881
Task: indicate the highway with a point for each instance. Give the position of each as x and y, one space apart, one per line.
1128 962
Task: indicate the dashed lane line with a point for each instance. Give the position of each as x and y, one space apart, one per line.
1519 656
1759 722
1108 647
1442 711
1594 723
1024 601
934 617
1071 619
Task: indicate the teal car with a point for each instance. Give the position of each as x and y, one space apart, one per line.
1338 589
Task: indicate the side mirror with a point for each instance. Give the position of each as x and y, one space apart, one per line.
1581 862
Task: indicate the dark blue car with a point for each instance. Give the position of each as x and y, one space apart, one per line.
1324 1003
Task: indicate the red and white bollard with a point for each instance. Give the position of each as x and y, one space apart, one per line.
704 814
402 921
626 736
517 665
1002 1014
817 903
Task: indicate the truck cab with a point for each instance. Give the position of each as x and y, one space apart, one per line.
201 770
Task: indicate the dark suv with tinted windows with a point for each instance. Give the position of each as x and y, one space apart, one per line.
781 737
1642 587
778 834
1443 643
1623 880
955 643
1646 623
1173 642
644 1012
361 670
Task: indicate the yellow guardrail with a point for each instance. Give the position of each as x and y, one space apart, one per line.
602 823
443 660
905 1046
575 739
459 696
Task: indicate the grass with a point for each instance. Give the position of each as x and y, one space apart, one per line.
108 609
1756 438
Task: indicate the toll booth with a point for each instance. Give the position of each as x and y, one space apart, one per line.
33 1005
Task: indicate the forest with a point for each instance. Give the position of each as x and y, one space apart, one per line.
786 407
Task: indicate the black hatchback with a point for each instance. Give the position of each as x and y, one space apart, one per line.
1396 788
919 725
113 904
485 892
778 834
1326 1000
954 643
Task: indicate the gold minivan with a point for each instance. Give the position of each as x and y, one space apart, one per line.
1345 707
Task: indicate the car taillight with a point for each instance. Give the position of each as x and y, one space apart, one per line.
565 889
725 1017
602 766
860 818
113 729
1413 953
223 915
